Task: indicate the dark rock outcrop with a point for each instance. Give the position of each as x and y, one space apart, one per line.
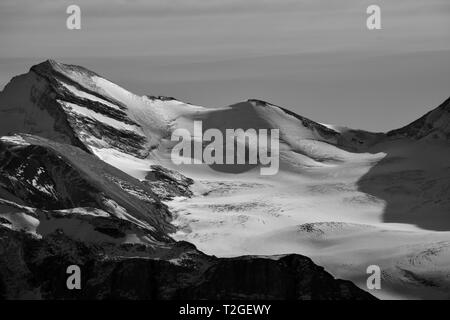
33 268
50 176
167 183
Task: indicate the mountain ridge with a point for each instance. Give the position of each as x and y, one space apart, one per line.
81 107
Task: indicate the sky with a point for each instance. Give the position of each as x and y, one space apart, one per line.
315 57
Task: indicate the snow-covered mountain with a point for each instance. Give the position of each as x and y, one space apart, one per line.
61 204
83 158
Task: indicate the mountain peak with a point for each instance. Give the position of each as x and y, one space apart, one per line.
48 65
433 125
54 68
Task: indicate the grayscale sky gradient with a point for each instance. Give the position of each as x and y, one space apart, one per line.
315 57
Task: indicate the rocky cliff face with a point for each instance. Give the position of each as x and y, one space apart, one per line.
62 103
47 175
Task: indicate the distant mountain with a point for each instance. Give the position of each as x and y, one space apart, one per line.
86 177
80 183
